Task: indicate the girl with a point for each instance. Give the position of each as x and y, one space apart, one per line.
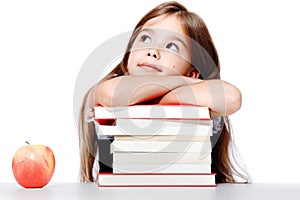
170 59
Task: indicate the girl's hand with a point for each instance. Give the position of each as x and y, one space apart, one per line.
221 97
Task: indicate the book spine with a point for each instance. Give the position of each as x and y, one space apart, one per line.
174 138
184 130
161 168
164 158
131 146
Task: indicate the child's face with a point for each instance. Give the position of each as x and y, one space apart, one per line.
161 48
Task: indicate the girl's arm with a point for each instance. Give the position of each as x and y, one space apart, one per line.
221 97
129 90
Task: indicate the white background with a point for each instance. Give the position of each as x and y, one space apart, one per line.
44 44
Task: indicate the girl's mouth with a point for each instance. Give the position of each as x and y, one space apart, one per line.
149 67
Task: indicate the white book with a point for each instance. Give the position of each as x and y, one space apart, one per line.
164 158
153 112
156 126
138 138
191 130
160 146
160 168
144 123
156 180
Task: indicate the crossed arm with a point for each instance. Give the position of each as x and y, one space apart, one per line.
221 97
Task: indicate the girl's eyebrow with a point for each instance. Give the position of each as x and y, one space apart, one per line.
149 30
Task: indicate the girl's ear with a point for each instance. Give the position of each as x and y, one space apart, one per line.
193 73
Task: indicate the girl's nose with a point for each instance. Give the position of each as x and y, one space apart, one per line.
153 53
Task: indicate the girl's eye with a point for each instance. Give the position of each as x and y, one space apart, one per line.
146 39
172 47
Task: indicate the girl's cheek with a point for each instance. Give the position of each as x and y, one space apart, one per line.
131 58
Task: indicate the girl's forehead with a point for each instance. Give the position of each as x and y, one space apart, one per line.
166 22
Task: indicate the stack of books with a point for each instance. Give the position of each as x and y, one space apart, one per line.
156 145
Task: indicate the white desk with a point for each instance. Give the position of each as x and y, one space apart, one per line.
90 191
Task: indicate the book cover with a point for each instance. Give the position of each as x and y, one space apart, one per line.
156 180
153 112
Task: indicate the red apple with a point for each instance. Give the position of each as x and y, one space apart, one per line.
33 165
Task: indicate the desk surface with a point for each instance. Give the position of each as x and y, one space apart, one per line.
90 191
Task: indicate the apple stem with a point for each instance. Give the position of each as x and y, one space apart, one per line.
27 143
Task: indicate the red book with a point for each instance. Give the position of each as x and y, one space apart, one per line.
156 180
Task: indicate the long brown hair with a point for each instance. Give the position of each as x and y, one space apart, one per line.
223 159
